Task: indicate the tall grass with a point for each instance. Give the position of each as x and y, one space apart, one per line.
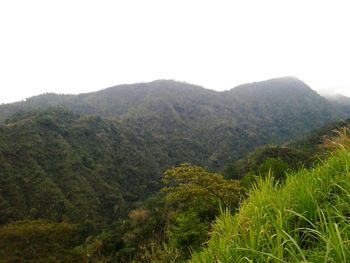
306 219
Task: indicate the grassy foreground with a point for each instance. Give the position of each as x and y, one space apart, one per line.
305 219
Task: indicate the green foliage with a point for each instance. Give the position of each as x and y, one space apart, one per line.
40 241
306 152
197 196
304 220
186 183
292 156
188 232
59 166
313 143
249 180
60 163
138 237
276 167
181 122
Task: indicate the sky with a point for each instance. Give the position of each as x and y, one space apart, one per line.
81 46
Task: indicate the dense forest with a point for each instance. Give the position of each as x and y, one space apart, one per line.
184 118
140 173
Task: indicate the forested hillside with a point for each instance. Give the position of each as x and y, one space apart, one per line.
184 118
135 172
60 166
98 153
305 152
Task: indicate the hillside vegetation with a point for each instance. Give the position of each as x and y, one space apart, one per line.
188 119
304 219
139 173
59 166
305 152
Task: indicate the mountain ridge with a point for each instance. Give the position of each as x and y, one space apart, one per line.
225 125
126 96
162 81
274 109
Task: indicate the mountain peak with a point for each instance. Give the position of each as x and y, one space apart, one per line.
288 85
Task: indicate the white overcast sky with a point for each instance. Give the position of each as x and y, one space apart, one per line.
80 46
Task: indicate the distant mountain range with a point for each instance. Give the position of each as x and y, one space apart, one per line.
93 155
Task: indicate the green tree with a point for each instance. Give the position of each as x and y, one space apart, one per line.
189 231
195 196
186 183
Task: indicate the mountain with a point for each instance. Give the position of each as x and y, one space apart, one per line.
108 149
85 163
219 126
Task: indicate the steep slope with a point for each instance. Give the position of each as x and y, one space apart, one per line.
285 106
57 165
307 151
304 220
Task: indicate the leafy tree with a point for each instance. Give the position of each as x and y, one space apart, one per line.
276 167
187 183
196 196
188 231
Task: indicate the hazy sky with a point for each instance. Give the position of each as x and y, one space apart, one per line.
80 46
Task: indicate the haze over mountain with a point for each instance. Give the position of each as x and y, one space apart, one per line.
341 99
234 42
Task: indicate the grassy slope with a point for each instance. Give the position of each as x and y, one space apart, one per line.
305 220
